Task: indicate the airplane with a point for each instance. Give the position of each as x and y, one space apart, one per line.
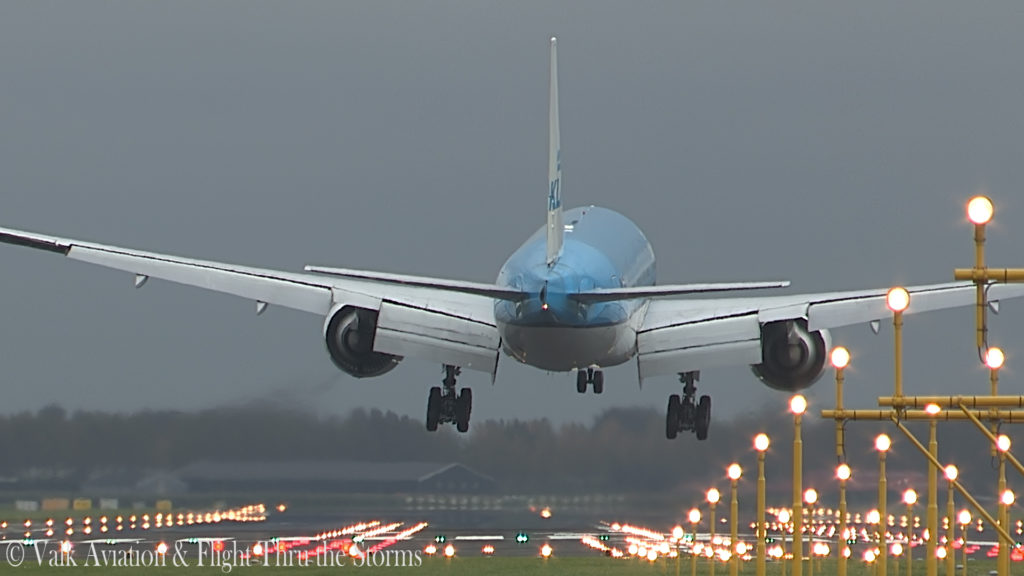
578 296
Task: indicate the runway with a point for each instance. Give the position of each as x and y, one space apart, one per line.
256 535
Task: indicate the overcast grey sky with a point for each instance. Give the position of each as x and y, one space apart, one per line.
831 145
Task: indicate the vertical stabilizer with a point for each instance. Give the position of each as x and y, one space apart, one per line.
555 228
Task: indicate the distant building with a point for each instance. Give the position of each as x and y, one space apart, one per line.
333 476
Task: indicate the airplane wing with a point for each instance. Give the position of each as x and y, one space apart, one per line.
439 323
683 335
662 291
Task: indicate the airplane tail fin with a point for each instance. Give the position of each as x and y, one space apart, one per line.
556 229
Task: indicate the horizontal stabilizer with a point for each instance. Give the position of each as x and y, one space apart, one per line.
479 289
612 294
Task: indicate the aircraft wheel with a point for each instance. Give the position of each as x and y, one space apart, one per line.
598 382
433 408
581 381
463 408
703 417
672 418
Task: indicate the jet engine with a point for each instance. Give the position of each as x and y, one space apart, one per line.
792 357
349 332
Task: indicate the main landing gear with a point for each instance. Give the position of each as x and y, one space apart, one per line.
443 406
589 376
686 415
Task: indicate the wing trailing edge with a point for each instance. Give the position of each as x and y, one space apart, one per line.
612 294
476 288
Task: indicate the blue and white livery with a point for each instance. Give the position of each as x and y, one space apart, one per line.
579 295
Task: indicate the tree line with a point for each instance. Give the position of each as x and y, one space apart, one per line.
621 450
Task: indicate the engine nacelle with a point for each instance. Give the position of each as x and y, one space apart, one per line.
792 357
349 332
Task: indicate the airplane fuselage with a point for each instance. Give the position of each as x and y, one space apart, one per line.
549 330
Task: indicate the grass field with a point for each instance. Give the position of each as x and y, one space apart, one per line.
597 566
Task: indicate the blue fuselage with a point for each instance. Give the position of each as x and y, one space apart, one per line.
550 330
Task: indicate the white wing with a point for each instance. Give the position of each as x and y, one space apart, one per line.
683 335
440 322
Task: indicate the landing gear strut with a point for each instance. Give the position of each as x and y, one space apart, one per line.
444 406
685 415
590 376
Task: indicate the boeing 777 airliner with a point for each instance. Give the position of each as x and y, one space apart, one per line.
578 296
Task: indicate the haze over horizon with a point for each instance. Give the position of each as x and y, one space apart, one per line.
831 145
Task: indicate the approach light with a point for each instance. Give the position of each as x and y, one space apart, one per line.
964 517
694 516
910 497
897 299
994 358
734 472
932 409
761 442
840 357
980 210
810 496
1003 443
714 496
843 472
883 443
1007 498
797 404
951 472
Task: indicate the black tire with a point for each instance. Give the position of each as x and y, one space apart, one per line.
433 408
703 418
463 408
598 382
581 381
672 417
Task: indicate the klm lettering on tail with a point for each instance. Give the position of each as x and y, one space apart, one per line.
555 227
554 194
